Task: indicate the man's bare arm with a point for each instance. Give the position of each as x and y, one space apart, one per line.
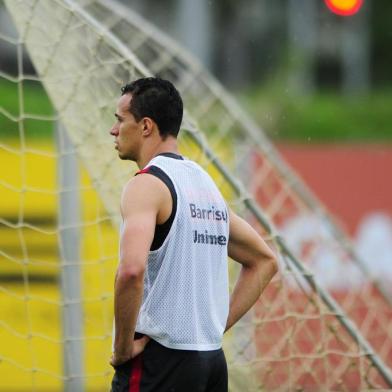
140 205
258 267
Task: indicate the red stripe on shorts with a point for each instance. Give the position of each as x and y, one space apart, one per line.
136 374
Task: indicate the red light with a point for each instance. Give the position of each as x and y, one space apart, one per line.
344 7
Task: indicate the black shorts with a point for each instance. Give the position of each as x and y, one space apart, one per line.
161 369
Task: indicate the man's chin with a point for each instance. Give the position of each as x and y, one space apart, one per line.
124 157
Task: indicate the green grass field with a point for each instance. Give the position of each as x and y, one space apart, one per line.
323 117
27 98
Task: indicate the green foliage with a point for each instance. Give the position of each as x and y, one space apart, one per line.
323 117
24 106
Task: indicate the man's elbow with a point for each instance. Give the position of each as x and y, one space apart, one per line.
269 264
131 272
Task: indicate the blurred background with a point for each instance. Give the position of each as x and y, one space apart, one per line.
319 84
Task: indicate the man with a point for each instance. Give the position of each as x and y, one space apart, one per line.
171 301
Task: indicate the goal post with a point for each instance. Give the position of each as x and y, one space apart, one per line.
297 336
69 250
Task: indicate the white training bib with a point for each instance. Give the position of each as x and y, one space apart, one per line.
186 298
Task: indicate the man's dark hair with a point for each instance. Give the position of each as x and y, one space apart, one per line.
158 99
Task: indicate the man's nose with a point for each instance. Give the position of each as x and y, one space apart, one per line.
114 130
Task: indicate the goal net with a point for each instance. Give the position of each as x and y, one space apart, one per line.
60 185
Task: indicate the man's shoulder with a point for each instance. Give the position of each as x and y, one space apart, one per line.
143 189
145 181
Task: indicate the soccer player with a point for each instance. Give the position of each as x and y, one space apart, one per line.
171 300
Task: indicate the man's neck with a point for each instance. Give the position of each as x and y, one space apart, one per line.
168 145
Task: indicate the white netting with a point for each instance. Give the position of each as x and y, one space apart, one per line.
83 52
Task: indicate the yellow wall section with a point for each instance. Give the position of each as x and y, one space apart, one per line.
30 312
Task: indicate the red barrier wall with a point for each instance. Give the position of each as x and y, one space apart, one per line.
351 180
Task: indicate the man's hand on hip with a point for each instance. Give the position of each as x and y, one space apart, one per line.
137 348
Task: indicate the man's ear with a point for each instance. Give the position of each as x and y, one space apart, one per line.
148 126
